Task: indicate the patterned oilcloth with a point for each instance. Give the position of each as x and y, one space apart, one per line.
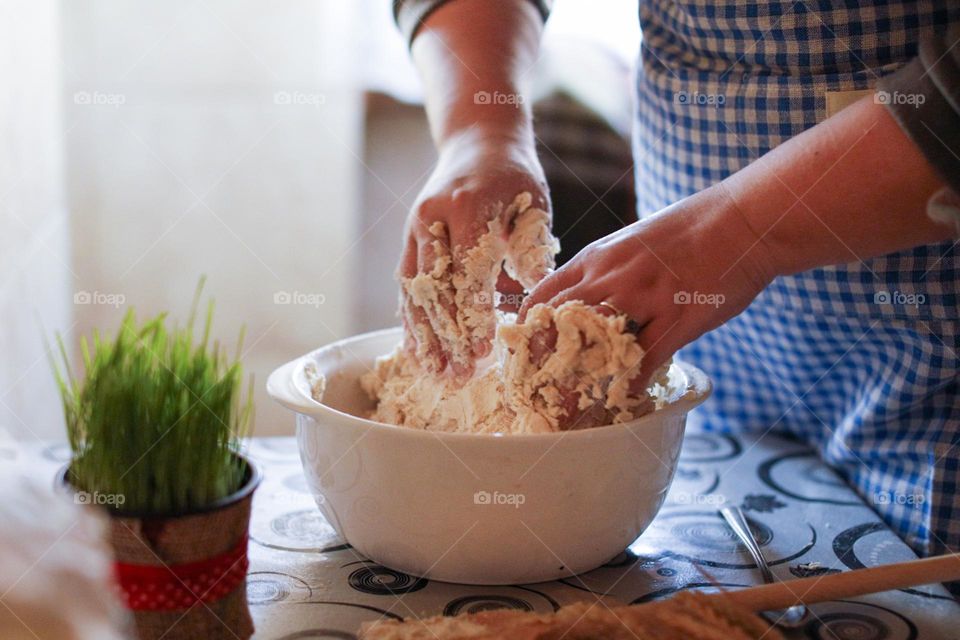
860 360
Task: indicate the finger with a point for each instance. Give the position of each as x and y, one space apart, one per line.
531 248
433 258
428 349
568 276
407 268
465 232
477 259
580 294
408 258
660 339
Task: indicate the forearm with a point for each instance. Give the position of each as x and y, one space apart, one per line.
851 188
472 56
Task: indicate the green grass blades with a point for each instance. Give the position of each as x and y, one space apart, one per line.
157 416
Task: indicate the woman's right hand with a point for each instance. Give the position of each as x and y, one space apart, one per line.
448 292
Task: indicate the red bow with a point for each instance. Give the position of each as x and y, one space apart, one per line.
180 586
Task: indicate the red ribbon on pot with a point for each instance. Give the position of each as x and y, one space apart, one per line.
180 586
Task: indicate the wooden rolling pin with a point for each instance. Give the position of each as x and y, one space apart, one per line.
900 575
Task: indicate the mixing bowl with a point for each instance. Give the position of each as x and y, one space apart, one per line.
477 508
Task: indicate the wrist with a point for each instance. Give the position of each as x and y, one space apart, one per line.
749 244
487 127
484 141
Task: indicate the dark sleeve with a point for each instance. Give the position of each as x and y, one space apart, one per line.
411 14
924 98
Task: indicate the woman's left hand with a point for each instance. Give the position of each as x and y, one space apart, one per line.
677 274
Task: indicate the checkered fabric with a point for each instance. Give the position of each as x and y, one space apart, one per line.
860 360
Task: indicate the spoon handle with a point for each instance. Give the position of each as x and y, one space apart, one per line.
900 575
738 523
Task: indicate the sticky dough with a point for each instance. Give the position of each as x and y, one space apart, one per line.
586 374
518 238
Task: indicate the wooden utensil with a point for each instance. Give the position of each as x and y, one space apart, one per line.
729 613
848 584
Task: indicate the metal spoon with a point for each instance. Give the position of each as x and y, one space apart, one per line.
790 618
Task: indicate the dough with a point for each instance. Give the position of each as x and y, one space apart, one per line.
580 381
588 370
518 239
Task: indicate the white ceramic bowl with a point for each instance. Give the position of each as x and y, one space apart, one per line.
478 508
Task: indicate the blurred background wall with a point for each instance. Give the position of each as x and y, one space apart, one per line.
36 271
275 148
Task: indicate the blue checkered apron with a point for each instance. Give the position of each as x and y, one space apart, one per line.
860 360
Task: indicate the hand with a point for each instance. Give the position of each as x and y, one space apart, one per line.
677 274
448 282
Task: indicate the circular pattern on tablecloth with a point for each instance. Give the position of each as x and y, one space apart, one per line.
709 447
297 482
378 580
848 620
704 538
707 531
816 471
690 481
872 544
478 603
703 587
268 587
304 530
781 472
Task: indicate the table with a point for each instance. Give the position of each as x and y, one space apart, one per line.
305 582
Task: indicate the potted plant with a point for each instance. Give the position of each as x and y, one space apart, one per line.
155 424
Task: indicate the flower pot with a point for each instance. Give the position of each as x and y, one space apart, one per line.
183 575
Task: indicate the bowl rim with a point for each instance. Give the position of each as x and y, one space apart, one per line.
282 388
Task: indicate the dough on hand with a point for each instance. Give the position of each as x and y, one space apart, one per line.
583 381
460 300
